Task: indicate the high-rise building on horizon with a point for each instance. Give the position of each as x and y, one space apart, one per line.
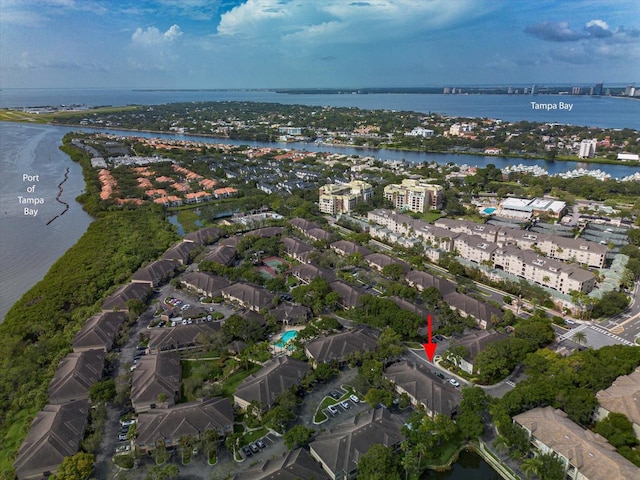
599 90
587 148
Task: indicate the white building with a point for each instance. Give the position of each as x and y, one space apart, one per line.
420 132
588 148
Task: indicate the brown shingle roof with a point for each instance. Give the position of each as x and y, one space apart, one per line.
350 296
345 247
205 283
118 299
276 376
56 432
293 465
423 280
180 337
156 272
99 331
337 347
590 453
156 374
254 298
191 419
623 396
75 374
204 236
340 449
180 252
424 387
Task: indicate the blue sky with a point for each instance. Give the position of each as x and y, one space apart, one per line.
316 43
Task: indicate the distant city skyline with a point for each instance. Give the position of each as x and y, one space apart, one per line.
230 44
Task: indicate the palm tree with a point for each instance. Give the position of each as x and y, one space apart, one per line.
210 442
501 444
530 466
580 338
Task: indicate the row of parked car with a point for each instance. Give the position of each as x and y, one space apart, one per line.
344 404
254 448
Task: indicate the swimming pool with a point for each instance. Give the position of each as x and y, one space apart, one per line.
286 337
488 210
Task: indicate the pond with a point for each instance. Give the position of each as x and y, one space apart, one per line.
470 466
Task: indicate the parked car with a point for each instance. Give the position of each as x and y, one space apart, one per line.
345 405
438 374
439 338
454 382
247 451
354 398
335 395
333 409
261 444
122 437
254 448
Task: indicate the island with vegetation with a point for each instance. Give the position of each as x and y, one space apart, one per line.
384 129
280 264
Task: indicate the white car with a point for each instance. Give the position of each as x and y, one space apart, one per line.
454 382
354 398
333 409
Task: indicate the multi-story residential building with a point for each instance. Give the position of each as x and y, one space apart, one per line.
585 455
575 249
554 246
621 397
487 232
337 198
587 148
474 248
405 225
414 195
544 271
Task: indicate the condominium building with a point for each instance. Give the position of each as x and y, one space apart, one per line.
414 195
587 148
585 455
335 198
544 271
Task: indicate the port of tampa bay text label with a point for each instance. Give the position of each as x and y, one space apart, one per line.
30 199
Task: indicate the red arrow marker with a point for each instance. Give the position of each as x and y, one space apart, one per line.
429 347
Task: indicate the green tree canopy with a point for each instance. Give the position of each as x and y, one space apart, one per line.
379 463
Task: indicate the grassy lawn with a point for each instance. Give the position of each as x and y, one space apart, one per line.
252 436
320 416
230 384
19 116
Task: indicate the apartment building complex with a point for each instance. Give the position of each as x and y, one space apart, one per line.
542 270
507 249
414 195
554 246
337 198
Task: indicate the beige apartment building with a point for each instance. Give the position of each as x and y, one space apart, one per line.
414 195
544 271
335 198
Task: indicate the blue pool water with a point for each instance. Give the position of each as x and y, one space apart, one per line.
489 210
286 338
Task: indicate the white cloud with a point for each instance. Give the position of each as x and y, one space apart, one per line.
152 36
357 21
